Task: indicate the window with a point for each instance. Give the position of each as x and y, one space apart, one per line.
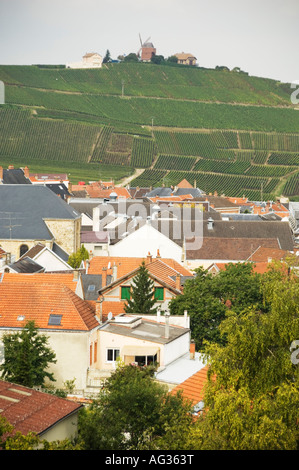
112 354
55 319
159 293
146 360
23 250
125 293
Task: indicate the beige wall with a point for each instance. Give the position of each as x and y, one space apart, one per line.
109 341
65 429
13 246
72 355
66 233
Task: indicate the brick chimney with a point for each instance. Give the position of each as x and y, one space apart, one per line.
192 349
104 277
178 282
149 258
26 172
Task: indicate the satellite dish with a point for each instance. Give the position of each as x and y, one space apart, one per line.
110 316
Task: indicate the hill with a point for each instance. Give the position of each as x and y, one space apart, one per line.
228 131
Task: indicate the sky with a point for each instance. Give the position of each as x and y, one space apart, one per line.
259 36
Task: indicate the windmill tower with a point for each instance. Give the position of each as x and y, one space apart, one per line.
147 50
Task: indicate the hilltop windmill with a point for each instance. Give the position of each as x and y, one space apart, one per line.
147 50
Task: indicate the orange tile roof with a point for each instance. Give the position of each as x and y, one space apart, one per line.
184 184
128 264
29 410
94 190
66 279
22 302
193 387
263 253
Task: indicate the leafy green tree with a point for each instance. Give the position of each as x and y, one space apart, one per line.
75 259
131 412
142 293
208 298
26 357
157 59
252 401
132 57
172 59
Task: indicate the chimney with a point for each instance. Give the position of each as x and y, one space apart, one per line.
99 308
158 315
26 172
186 319
192 350
11 167
158 254
114 272
1 173
149 258
76 275
166 314
178 282
96 219
104 277
210 223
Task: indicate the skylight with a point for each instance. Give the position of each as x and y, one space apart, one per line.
55 319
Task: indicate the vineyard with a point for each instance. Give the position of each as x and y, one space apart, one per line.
223 131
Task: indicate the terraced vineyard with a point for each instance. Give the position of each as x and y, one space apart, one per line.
167 123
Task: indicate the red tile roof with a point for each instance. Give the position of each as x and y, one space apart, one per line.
23 302
193 387
31 411
66 279
128 264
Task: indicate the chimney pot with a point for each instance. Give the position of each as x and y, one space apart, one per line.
149 257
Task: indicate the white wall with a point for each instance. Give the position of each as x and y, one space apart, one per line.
146 239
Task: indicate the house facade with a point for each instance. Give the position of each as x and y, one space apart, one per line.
89 61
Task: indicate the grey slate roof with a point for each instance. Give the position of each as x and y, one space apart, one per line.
26 265
23 209
15 176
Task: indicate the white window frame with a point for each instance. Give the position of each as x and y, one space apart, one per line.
114 355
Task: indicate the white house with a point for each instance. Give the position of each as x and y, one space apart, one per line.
139 340
89 61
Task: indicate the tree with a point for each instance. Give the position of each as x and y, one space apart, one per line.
75 259
107 57
27 357
253 400
157 59
132 57
132 410
142 294
172 59
208 298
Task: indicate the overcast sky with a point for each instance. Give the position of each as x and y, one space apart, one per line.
260 36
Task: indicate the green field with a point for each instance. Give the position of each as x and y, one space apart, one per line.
228 131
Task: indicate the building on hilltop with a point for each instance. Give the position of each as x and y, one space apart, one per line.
89 61
186 58
146 51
